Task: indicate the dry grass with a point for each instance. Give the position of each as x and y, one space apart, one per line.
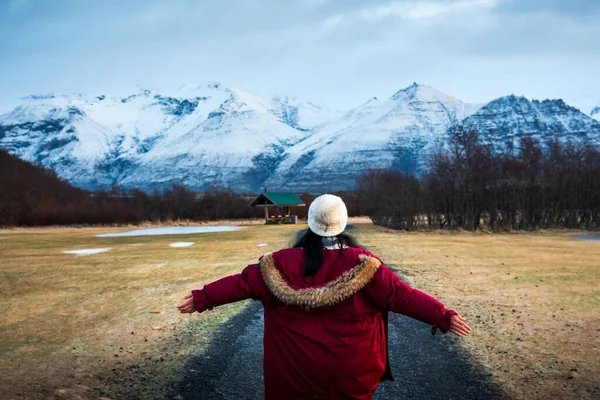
66 321
532 299
65 318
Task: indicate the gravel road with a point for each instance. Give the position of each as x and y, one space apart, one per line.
424 366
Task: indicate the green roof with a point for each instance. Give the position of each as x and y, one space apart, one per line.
278 199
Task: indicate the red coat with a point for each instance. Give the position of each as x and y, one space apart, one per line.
326 335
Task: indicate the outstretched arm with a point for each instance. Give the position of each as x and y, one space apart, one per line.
246 285
397 296
458 326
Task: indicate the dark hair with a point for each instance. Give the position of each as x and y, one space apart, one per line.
313 248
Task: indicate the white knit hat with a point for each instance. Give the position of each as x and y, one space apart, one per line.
327 215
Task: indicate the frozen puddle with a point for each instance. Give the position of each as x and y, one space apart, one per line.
86 252
262 244
181 244
181 230
589 238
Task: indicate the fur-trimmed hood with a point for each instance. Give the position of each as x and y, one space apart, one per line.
331 293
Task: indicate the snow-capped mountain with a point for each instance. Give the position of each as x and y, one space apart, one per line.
202 135
301 115
595 113
392 133
88 141
238 144
507 118
205 135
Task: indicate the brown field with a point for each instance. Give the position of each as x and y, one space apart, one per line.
533 301
105 325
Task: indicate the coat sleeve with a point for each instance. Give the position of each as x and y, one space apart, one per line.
246 285
390 293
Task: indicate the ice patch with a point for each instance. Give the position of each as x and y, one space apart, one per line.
262 244
182 230
589 237
86 252
182 244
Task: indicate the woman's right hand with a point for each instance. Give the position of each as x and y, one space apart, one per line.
188 305
458 326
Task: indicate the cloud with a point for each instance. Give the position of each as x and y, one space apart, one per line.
572 8
339 52
406 10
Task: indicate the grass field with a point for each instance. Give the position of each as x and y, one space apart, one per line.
106 324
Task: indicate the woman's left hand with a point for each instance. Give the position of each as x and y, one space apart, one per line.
188 305
458 326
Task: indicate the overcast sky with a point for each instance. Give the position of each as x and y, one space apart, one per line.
339 52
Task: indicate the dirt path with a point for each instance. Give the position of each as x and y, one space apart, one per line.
425 366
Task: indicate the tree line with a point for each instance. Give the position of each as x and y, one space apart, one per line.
467 184
470 184
31 195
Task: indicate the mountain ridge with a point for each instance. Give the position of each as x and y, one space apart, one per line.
210 135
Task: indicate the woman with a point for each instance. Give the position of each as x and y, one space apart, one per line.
325 304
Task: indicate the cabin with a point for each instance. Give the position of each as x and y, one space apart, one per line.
281 203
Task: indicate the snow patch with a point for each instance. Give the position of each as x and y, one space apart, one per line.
87 252
182 244
184 230
262 244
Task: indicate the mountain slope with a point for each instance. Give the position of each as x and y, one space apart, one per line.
377 134
237 144
90 141
201 135
301 115
595 113
34 195
507 118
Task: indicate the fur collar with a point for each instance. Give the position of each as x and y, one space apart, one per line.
332 293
